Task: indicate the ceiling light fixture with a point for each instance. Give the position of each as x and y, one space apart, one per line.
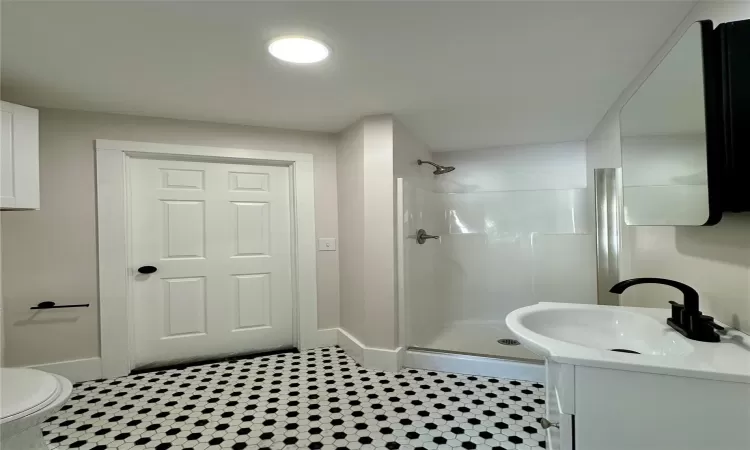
298 49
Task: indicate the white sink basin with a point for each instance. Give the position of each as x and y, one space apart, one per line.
605 329
588 335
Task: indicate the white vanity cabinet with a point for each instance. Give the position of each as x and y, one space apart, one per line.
604 409
621 378
19 157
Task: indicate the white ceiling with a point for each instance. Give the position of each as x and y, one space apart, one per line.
460 75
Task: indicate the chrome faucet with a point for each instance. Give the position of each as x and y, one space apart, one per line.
686 318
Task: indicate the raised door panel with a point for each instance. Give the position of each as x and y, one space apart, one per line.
184 227
251 228
252 296
248 181
182 179
184 306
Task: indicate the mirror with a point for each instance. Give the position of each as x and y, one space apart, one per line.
666 146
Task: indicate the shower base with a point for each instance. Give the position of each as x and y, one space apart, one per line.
479 337
472 347
486 366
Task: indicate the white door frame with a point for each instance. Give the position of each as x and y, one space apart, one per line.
114 238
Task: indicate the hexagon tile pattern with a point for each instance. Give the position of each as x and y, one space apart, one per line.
317 399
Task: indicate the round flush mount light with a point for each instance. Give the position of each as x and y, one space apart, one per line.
298 49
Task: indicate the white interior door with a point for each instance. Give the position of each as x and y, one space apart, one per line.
219 238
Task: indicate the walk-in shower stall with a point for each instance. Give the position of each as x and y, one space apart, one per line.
514 228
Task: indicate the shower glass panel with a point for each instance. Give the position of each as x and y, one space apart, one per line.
499 250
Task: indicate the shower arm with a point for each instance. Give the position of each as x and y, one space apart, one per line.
421 161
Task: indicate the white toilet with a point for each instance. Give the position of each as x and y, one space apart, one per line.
28 398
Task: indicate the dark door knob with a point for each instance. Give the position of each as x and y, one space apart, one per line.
146 269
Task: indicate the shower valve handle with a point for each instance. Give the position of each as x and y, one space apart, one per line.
422 236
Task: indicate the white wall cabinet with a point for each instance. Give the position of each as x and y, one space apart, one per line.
19 157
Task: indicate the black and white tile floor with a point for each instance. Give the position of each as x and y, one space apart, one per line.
318 399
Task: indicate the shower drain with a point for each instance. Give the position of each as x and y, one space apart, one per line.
508 342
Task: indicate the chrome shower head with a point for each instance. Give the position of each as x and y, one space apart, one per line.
444 169
439 170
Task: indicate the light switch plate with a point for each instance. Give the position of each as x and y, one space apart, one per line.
327 244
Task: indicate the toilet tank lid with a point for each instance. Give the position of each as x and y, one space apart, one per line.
24 391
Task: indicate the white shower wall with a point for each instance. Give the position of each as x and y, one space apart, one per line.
515 231
505 250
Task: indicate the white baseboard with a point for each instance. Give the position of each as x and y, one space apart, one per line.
388 360
351 346
75 370
474 365
383 359
327 337
91 368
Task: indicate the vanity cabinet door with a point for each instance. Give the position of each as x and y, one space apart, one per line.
560 435
560 404
628 410
19 157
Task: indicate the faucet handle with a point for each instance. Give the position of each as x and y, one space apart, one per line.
702 328
710 321
677 310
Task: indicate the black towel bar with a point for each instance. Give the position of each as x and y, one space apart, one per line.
52 305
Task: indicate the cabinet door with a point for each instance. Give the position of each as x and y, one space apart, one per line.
560 406
7 183
19 157
560 434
